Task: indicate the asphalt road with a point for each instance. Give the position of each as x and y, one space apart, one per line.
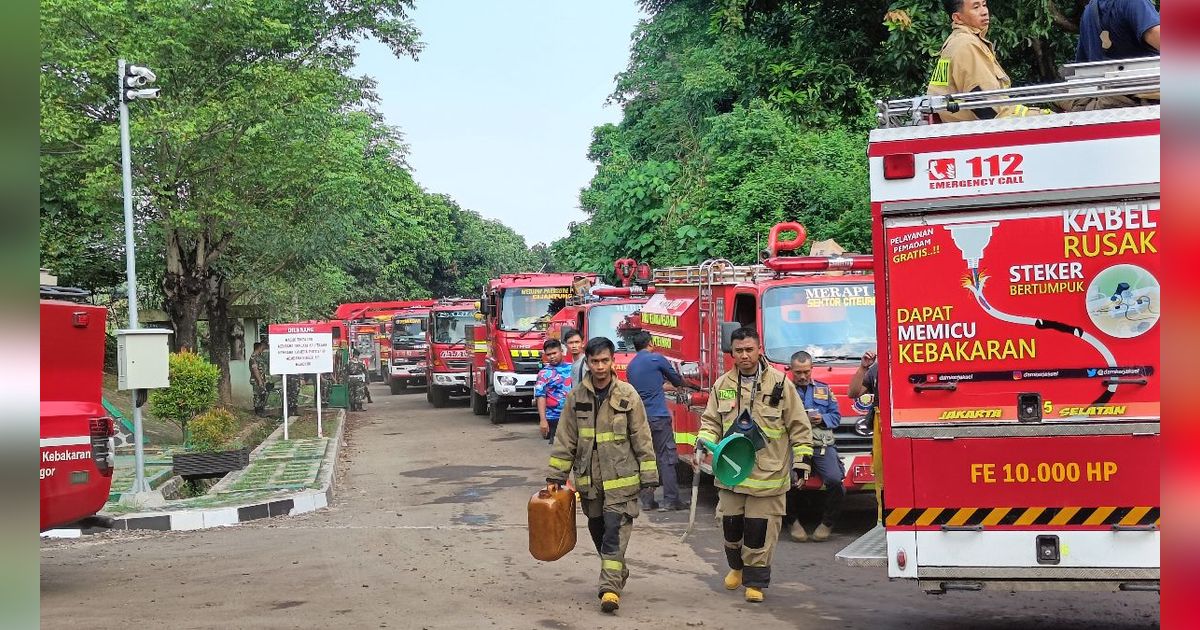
427 530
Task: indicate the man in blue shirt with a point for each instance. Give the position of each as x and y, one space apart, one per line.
1117 29
551 388
647 372
823 413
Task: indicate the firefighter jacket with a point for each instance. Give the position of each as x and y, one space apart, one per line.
968 63
819 396
784 424
606 445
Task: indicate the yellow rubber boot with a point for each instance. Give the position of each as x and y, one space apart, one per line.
610 602
753 594
733 579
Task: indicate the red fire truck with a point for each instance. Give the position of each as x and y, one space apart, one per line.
406 347
607 311
369 325
448 354
77 435
1019 369
508 345
824 305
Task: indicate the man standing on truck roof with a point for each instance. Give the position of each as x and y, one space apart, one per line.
551 388
865 382
648 372
822 408
1117 29
968 63
605 440
751 512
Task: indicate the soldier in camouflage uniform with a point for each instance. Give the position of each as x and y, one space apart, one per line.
293 392
258 378
357 386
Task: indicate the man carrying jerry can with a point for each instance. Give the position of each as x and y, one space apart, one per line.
603 437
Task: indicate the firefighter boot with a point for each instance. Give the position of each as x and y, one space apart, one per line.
754 595
733 579
796 531
822 533
610 602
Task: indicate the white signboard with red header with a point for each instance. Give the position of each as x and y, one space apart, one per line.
301 348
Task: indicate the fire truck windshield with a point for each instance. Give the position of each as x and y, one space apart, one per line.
451 326
603 321
407 330
530 308
829 321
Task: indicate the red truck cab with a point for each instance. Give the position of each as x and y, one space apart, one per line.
449 348
77 435
517 309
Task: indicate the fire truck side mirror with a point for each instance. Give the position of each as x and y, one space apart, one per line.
424 325
485 306
727 329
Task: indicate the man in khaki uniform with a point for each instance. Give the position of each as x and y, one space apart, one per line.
752 512
604 438
968 63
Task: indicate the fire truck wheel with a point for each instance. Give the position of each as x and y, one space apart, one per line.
499 411
479 404
397 387
438 396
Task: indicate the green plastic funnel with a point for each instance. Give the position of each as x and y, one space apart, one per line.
733 458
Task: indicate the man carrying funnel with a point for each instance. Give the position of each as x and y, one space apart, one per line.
758 432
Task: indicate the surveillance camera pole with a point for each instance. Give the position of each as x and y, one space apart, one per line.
139 455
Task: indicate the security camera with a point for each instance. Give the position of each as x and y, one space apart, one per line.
135 82
141 72
146 93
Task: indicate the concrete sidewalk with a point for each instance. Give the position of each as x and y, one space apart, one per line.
283 478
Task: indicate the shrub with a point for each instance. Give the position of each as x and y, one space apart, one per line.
212 430
193 390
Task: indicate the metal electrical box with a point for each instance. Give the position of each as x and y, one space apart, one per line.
142 358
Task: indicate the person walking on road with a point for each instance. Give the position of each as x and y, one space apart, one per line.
752 511
604 439
824 416
551 388
648 372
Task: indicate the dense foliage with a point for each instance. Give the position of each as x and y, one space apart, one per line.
738 114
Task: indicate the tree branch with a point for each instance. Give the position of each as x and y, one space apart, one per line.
1061 20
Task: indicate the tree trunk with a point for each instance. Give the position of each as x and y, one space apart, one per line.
185 287
220 331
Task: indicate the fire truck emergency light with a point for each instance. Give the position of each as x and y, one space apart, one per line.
899 166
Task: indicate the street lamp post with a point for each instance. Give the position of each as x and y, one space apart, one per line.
131 82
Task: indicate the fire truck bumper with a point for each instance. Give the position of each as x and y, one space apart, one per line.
1012 560
449 379
408 373
513 384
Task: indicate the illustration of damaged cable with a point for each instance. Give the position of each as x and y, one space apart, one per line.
971 239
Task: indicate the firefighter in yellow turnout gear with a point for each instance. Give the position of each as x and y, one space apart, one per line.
967 63
604 438
752 512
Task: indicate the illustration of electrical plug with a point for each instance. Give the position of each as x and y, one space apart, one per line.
971 239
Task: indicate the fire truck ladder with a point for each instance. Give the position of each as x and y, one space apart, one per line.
710 271
1125 77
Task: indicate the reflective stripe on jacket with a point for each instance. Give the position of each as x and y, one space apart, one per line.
609 449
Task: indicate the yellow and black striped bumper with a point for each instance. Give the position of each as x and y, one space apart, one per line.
1021 516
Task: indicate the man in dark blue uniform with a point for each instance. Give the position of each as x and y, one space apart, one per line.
823 413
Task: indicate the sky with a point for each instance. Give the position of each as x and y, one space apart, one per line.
499 110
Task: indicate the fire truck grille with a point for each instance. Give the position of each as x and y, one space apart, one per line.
527 367
458 365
